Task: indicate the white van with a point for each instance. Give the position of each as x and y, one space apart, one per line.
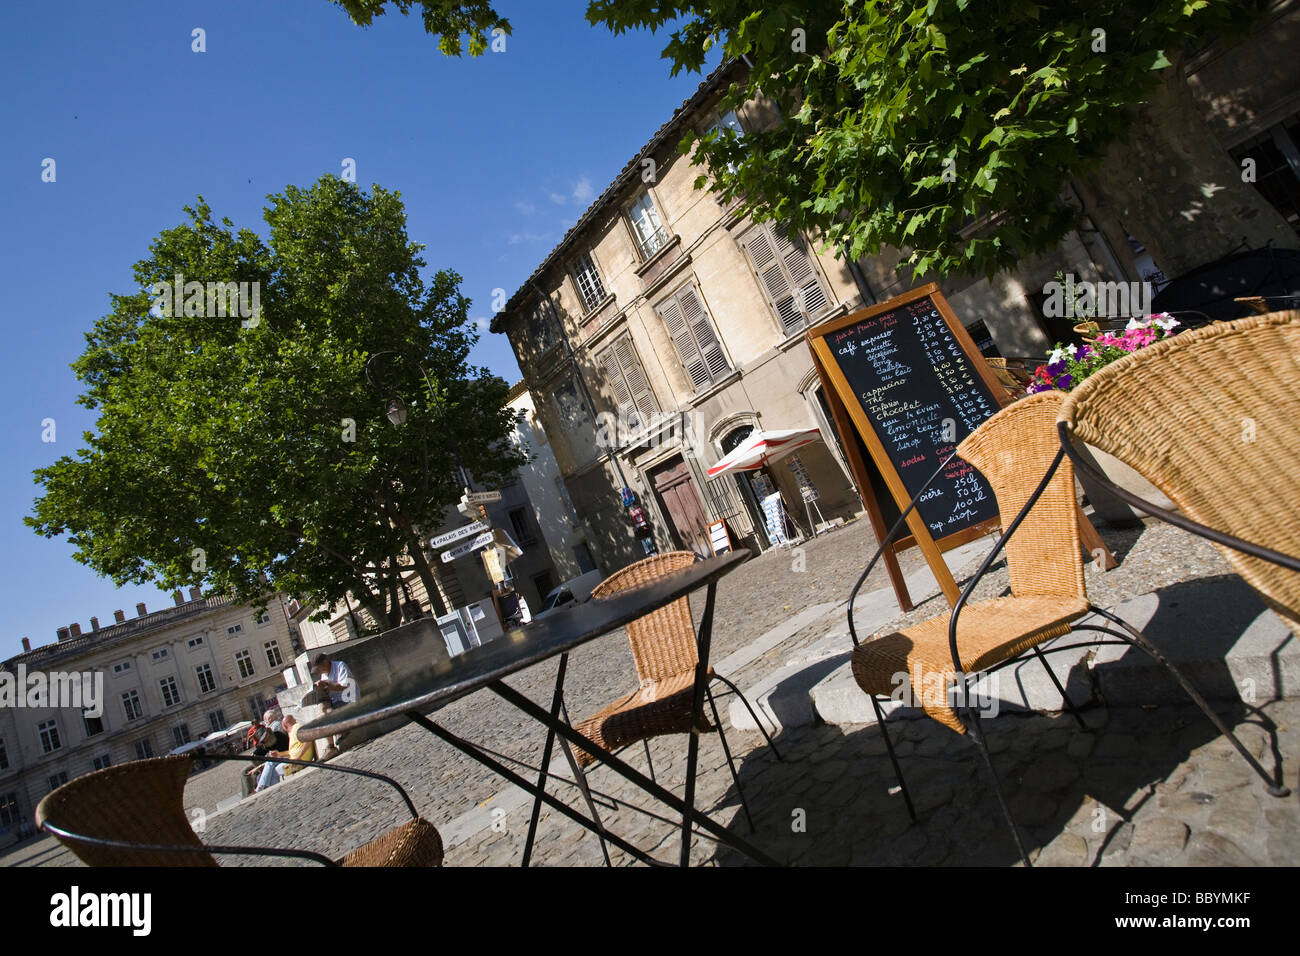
574 591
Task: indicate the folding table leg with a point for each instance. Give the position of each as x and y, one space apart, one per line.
580 779
697 711
557 701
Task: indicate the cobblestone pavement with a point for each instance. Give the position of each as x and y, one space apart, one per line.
1148 787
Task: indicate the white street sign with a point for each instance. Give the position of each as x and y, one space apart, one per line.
463 532
481 541
481 497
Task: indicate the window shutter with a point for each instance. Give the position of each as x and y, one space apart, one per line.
637 384
696 369
771 275
705 337
803 275
610 368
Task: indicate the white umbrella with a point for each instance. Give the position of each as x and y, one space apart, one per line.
762 448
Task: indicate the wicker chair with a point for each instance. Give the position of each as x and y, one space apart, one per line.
664 650
1211 418
134 815
1017 452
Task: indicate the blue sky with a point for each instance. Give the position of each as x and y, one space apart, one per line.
495 158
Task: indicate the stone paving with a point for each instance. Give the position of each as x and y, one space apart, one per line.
1145 787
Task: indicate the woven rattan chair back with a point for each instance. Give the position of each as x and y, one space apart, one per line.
1212 418
138 802
663 642
1014 449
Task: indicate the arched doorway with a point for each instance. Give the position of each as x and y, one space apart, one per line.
746 484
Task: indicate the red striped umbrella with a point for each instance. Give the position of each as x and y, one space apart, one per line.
763 448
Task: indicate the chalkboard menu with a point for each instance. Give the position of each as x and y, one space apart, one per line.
922 396
905 385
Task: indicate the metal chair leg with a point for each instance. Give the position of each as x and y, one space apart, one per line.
977 734
1144 643
649 763
1069 704
889 746
758 723
731 764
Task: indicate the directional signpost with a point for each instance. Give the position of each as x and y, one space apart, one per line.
482 541
465 531
481 497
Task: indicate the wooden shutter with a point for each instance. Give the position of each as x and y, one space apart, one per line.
610 367
773 278
696 369
638 386
707 340
803 274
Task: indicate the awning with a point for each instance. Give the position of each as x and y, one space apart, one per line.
763 448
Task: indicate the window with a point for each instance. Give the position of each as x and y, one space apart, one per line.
727 121
1275 155
48 731
207 683
244 661
57 780
265 619
273 658
143 749
131 704
181 734
582 554
171 694
234 629
563 491
159 654
257 706
10 815
522 527
649 233
194 642
787 275
121 667
102 761
541 327
575 420
692 333
627 380
217 720
588 279
94 725
4 755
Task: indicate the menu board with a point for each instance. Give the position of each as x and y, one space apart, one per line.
921 395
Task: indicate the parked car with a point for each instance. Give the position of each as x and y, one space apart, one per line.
573 591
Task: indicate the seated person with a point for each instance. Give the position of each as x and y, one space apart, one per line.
334 686
296 750
268 742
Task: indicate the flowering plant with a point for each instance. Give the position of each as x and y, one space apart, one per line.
1069 365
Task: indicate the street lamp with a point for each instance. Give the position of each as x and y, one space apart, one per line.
396 409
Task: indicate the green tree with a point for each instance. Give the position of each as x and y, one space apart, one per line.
252 454
950 128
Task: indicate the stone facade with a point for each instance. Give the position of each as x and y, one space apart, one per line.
168 677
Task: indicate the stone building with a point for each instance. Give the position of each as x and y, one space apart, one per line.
169 677
664 327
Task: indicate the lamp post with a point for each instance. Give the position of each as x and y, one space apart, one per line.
395 411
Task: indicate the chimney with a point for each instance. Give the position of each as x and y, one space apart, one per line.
178 597
196 594
141 610
94 624
27 645
62 634
118 617
74 629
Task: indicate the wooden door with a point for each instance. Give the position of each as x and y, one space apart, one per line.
676 490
